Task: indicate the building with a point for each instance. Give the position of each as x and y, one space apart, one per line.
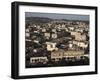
75 33
54 30
36 41
27 33
47 35
54 35
71 28
59 54
43 60
78 36
73 53
43 30
51 46
78 30
80 44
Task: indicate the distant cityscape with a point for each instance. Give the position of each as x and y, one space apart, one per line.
53 42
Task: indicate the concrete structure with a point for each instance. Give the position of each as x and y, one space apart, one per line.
54 35
47 35
78 36
43 30
27 34
51 46
66 54
38 59
81 44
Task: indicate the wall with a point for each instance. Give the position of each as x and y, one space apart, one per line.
5 40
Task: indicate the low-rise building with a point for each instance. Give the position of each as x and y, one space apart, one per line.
47 35
71 28
38 59
54 30
54 35
78 36
66 54
80 44
27 33
51 46
43 30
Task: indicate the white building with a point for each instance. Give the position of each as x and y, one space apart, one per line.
36 41
38 59
43 30
78 36
51 46
66 54
54 35
47 35
27 34
54 30
71 28
80 44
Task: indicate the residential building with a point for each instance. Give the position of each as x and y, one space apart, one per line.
38 59
54 35
51 46
66 54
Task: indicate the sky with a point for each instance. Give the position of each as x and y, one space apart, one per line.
58 16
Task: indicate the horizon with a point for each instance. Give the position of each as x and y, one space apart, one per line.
58 16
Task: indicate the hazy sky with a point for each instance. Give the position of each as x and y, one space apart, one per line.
58 16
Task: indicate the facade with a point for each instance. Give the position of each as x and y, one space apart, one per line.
78 36
38 59
51 46
47 35
54 35
66 54
27 33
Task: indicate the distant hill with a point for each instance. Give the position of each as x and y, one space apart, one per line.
37 20
46 20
